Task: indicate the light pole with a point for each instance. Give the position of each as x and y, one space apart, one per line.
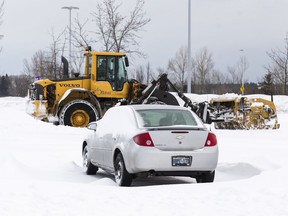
1 36
70 8
189 49
242 62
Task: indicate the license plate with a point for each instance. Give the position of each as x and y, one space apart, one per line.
181 160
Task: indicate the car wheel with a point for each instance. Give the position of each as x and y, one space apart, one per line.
206 177
90 168
122 177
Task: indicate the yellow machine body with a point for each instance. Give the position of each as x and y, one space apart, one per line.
244 113
48 97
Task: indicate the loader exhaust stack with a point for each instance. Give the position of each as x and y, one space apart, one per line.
65 67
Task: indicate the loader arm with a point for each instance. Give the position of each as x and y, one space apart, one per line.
159 89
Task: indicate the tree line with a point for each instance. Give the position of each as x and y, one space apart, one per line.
117 32
17 85
208 80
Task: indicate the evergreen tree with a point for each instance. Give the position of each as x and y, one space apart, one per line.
4 86
267 84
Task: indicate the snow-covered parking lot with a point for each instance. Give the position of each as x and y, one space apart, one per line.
42 174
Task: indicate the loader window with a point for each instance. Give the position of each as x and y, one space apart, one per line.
122 76
112 70
102 68
88 65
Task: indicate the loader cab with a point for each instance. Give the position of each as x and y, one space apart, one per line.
111 69
108 74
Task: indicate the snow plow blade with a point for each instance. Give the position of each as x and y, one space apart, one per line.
37 108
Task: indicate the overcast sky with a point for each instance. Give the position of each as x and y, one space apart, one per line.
223 26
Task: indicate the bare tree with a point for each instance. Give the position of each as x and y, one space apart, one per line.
204 67
142 73
148 72
178 65
139 74
242 67
80 35
47 63
78 62
279 65
37 65
218 77
19 85
117 32
1 18
235 78
56 50
159 71
1 12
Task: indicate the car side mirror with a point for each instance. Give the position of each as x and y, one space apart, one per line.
92 126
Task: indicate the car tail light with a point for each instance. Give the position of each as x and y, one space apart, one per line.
143 139
211 140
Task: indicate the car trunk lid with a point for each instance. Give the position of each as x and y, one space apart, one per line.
174 139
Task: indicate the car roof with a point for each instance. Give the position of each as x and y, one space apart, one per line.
155 106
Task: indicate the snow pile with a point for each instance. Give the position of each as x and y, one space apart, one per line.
281 103
42 174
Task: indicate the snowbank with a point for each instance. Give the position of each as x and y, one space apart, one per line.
41 173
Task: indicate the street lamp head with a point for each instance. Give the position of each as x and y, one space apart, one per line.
70 8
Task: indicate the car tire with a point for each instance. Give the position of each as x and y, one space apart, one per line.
206 177
90 169
122 177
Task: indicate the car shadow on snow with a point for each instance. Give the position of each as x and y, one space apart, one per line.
162 180
224 172
104 178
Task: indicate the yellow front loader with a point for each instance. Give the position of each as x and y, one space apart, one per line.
78 100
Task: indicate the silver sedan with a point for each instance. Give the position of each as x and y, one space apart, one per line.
144 140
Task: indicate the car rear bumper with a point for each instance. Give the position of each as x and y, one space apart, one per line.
150 159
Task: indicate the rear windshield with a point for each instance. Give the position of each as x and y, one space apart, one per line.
156 118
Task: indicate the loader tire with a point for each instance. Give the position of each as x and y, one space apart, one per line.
78 113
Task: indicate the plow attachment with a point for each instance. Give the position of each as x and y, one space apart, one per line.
244 113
